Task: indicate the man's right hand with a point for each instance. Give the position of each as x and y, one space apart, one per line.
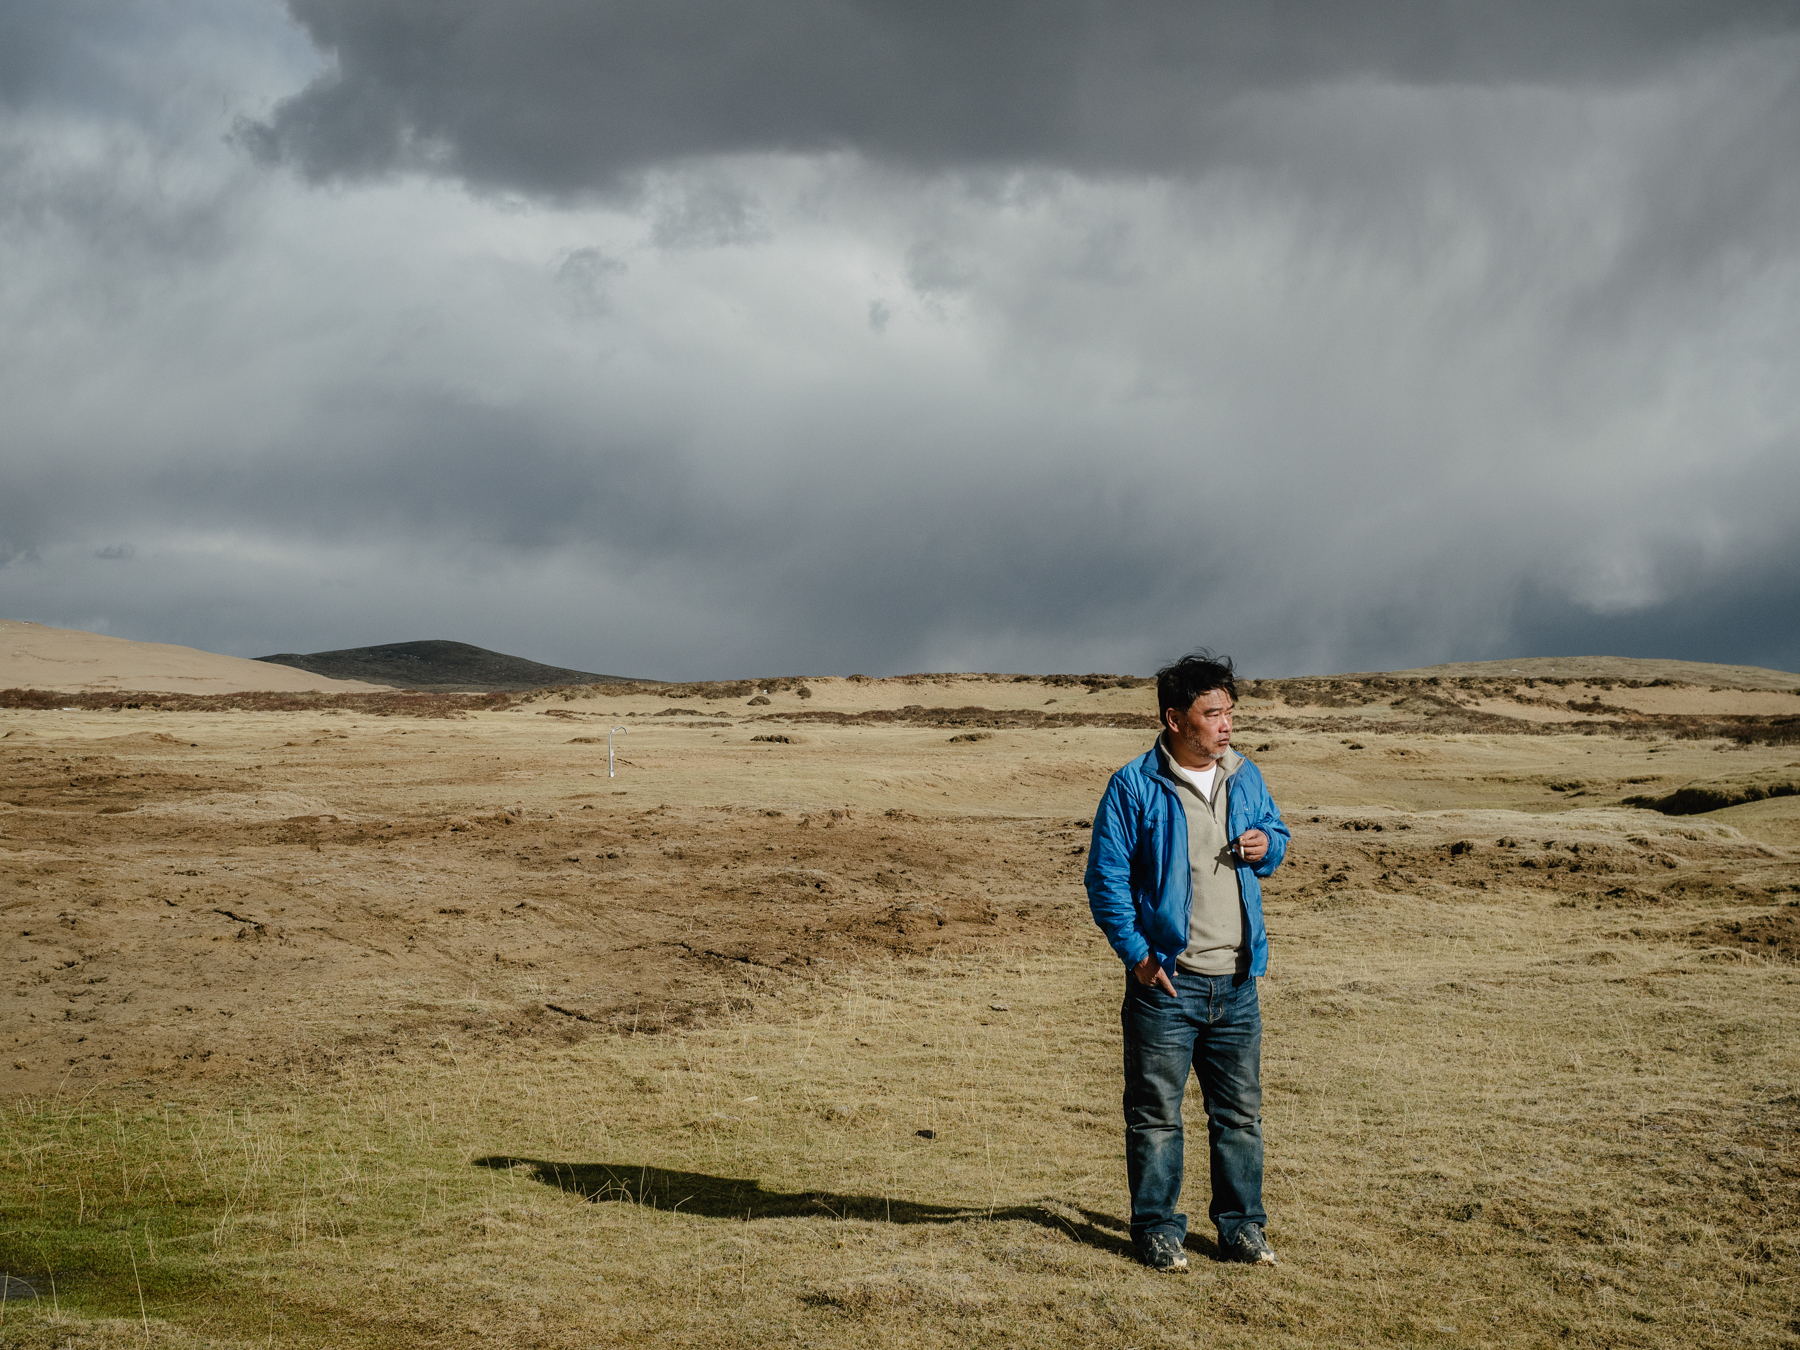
1149 971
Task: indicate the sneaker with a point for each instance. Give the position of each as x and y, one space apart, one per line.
1250 1246
1159 1251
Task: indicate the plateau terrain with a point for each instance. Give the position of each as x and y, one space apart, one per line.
341 1017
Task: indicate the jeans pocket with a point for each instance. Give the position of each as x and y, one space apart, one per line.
1146 996
1249 1006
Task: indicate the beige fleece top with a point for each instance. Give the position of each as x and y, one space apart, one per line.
1216 943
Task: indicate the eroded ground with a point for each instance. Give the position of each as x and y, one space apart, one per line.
231 891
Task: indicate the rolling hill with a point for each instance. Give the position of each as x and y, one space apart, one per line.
437 666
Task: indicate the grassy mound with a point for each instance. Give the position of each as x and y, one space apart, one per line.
1698 798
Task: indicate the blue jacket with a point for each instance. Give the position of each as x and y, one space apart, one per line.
1137 875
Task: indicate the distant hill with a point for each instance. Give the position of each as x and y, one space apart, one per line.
438 667
1613 668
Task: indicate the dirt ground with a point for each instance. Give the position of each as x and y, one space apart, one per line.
831 909
235 892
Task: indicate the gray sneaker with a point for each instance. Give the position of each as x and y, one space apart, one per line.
1250 1246
1159 1251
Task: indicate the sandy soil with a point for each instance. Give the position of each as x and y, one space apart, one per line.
35 657
1776 822
241 892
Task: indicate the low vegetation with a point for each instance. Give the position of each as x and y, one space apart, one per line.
333 1032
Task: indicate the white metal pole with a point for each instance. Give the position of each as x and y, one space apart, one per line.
610 772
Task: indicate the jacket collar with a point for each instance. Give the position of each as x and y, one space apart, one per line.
1150 762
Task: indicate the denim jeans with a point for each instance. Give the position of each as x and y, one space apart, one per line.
1213 1025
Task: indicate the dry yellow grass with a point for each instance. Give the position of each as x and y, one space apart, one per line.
1522 1094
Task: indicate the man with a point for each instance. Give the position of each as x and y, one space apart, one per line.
1180 839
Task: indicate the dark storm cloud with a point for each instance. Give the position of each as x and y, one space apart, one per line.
1741 618
562 96
102 106
150 60
386 468
66 51
1336 336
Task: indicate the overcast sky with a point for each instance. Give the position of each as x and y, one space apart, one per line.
707 339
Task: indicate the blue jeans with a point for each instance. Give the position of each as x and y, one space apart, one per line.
1212 1026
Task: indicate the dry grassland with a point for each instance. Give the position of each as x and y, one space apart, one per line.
331 1028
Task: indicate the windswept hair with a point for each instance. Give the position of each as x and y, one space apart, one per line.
1179 683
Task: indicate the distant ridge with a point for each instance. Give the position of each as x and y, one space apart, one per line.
1609 668
438 667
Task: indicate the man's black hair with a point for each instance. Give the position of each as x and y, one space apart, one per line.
1179 683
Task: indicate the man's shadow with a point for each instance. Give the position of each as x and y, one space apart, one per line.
741 1198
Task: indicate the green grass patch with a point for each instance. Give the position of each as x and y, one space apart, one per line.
158 1210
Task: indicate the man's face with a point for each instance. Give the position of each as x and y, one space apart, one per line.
1204 731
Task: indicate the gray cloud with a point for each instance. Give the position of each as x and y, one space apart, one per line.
1710 620
72 54
547 96
881 337
706 213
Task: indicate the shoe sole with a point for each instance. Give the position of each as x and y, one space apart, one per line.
1243 1259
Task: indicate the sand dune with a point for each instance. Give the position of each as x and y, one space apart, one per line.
35 657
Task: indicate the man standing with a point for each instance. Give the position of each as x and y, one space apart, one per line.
1179 841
